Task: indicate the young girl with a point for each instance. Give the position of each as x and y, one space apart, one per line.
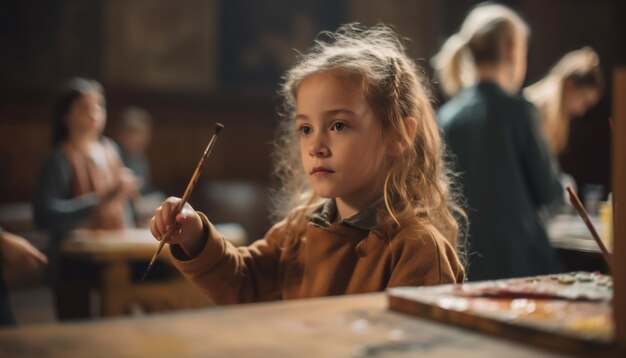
571 87
367 198
507 172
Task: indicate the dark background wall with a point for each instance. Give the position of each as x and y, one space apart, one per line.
196 62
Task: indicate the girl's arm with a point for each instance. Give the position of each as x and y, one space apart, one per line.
227 274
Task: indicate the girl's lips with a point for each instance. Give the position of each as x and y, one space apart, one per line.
321 170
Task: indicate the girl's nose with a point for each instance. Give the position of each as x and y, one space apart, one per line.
318 150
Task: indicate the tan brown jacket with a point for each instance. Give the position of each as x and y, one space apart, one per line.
327 261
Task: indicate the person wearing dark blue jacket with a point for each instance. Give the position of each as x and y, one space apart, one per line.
505 167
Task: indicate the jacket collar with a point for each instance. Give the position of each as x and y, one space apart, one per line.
365 219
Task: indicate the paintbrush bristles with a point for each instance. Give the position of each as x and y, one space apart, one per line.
218 128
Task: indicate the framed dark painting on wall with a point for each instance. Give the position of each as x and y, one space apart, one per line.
166 46
260 39
45 43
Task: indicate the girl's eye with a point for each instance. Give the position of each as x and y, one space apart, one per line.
305 130
338 126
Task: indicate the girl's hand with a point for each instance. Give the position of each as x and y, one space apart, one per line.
189 233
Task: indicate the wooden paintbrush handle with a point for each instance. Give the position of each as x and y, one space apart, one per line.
190 187
608 258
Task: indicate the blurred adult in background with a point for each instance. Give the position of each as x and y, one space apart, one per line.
502 158
82 183
569 90
572 87
15 254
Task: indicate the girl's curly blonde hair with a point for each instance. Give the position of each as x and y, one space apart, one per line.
417 184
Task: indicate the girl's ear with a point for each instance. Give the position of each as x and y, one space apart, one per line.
396 146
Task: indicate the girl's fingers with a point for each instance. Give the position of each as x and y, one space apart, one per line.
164 219
159 226
170 205
170 221
184 215
153 229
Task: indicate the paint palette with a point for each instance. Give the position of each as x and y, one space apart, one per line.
583 286
569 312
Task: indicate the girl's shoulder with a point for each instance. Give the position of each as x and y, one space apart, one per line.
420 233
282 235
423 241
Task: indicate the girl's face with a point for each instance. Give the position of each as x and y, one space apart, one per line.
87 116
578 99
341 142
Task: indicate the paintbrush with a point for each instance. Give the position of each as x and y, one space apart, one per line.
186 195
608 257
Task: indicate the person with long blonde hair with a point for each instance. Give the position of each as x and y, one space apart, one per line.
365 194
571 87
506 171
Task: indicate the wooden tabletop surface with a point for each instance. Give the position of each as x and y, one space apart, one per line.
102 245
346 326
570 233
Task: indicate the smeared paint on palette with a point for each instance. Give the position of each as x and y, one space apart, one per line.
564 311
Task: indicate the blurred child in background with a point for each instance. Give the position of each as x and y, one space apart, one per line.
133 134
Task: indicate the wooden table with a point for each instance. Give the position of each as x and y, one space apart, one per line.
114 251
347 326
576 247
569 232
